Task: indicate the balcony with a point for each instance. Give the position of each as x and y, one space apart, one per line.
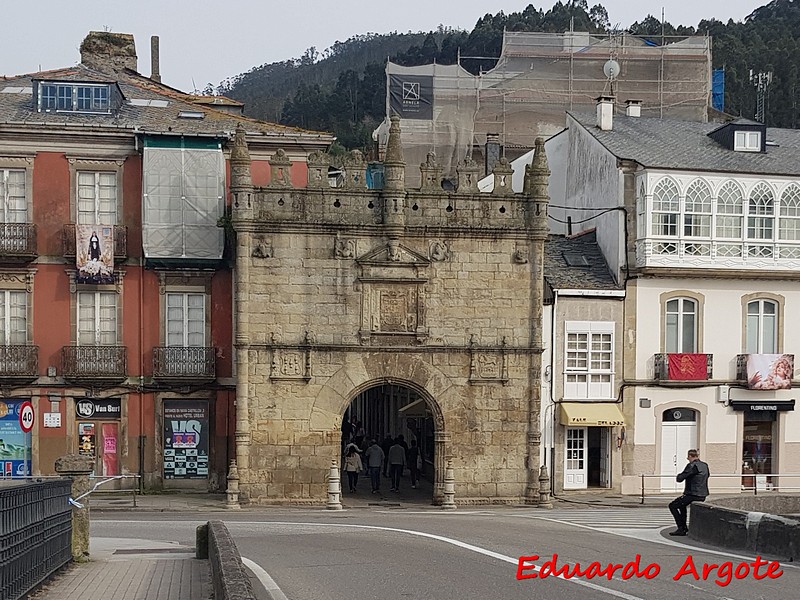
19 364
184 364
765 371
104 364
683 367
120 241
18 241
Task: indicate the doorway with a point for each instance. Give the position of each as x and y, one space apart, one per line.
587 462
678 436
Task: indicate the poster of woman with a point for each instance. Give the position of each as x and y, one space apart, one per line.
94 253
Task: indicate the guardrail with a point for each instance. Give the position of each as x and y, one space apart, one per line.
728 483
35 534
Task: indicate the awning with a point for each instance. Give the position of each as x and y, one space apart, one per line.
418 408
591 414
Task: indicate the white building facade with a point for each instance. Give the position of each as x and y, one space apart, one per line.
701 222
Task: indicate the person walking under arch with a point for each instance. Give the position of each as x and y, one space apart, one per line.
353 466
695 476
374 456
397 462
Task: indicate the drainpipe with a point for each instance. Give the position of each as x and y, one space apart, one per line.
552 407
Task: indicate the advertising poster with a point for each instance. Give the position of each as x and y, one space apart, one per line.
411 96
770 371
14 443
186 435
87 440
94 253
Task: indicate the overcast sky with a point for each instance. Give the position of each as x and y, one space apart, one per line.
207 41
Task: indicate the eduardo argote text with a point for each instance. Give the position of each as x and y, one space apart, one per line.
722 573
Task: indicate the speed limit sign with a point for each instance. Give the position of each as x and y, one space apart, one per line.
26 416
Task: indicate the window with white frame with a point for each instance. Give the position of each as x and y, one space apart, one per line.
789 228
97 197
186 319
747 141
666 207
74 97
14 317
697 210
97 318
762 327
730 217
12 196
589 359
641 210
681 325
760 213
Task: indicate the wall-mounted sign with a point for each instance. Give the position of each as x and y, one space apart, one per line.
762 405
186 435
411 96
98 408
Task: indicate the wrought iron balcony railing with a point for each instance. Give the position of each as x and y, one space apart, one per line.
95 362
18 240
19 362
680 366
120 241
184 363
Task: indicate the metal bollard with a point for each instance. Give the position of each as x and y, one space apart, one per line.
544 489
449 487
334 488
233 487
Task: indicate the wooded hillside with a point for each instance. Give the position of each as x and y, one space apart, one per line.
343 90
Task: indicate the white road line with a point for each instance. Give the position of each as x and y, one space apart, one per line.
453 542
268 582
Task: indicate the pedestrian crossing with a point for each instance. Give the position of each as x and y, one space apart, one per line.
607 518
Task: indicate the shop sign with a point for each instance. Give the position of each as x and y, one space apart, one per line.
98 408
762 405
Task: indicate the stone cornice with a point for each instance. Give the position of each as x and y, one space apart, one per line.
379 230
710 273
410 349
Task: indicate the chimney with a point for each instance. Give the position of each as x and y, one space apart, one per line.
155 71
633 108
108 52
492 153
605 112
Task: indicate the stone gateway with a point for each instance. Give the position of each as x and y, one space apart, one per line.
348 292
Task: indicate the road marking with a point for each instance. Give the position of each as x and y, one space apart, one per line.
453 542
268 582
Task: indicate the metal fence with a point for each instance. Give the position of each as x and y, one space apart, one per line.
35 534
727 483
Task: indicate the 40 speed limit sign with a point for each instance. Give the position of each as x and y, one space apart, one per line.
26 416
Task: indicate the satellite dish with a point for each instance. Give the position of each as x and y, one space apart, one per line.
611 69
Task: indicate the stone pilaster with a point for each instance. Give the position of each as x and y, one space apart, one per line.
242 191
394 188
536 194
77 469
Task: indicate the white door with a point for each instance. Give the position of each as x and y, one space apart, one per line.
575 459
605 453
676 440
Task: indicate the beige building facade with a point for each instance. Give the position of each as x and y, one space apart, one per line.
340 291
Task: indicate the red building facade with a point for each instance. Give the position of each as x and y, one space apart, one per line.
116 288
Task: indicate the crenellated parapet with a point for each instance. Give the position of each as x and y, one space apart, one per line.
355 171
467 174
431 174
318 163
280 168
502 173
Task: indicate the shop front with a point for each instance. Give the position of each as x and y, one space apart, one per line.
760 437
99 433
589 441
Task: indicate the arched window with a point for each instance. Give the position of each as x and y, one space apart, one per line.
729 211
697 214
762 327
789 228
681 325
761 213
665 208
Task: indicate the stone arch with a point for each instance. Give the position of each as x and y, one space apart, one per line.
355 376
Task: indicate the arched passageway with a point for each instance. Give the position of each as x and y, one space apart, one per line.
393 413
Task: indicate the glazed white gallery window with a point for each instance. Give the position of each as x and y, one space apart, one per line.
762 327
14 317
97 318
186 319
589 360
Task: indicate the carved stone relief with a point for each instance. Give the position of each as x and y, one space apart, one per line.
438 251
521 256
262 247
488 365
291 363
344 248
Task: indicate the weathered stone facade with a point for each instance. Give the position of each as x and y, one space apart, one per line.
341 290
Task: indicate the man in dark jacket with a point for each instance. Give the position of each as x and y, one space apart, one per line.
695 476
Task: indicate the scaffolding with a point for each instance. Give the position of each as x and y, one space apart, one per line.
537 78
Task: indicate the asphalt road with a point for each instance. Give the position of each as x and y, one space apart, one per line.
469 554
